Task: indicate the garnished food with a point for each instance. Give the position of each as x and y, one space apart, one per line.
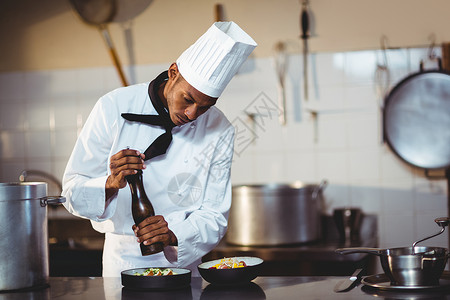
229 263
156 272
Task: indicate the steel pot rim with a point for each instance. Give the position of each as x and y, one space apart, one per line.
292 185
420 250
12 191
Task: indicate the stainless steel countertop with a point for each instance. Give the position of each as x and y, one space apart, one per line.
74 288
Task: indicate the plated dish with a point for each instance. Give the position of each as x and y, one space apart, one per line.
229 263
219 272
133 279
156 272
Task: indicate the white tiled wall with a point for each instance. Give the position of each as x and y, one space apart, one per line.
42 112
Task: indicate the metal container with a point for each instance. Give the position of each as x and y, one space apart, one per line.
23 235
275 214
408 266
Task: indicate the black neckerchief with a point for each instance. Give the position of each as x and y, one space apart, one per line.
160 145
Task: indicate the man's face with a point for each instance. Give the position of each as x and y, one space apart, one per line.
184 102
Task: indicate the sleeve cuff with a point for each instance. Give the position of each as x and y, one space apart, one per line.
95 189
182 231
171 254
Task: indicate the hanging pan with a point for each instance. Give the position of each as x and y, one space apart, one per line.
99 13
416 119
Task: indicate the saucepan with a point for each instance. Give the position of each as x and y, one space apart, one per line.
408 266
411 266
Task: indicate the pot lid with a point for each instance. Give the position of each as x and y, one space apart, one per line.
14 191
416 120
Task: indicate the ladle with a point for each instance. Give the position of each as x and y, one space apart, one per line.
441 222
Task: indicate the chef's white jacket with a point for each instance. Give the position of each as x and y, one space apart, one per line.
189 185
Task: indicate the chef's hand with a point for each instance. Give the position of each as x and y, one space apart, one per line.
155 229
123 163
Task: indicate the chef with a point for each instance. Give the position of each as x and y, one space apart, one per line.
184 150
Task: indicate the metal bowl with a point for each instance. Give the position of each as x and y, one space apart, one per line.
231 276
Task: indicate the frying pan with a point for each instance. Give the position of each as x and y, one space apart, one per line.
416 119
99 13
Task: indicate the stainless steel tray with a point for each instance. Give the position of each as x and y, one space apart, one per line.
382 282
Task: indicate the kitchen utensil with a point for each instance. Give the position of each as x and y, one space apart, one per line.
304 21
442 222
417 118
348 222
275 214
181 279
408 266
348 284
446 56
218 13
382 73
24 235
382 82
280 66
382 282
231 276
99 13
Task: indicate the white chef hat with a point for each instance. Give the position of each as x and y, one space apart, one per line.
210 63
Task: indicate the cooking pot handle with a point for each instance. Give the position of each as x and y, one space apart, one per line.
319 188
52 200
376 251
433 259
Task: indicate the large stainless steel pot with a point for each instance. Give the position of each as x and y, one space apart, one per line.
23 235
275 214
